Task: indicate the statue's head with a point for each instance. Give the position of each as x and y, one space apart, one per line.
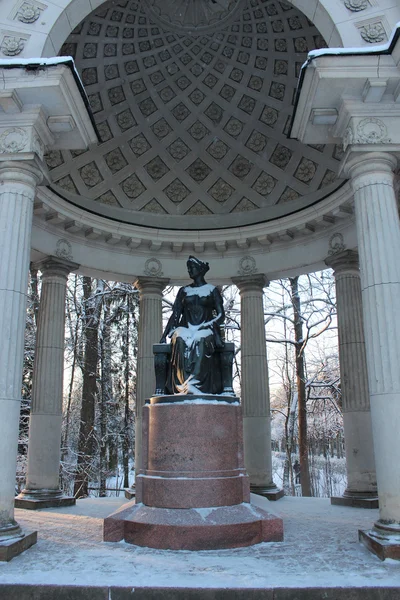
196 265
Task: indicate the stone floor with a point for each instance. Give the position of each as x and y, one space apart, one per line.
321 550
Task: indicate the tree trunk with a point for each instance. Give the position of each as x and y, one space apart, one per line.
301 389
74 340
106 392
86 445
126 436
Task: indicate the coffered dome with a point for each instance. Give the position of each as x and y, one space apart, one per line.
193 114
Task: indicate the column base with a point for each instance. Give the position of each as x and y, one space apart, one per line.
270 492
381 540
37 499
13 546
356 500
130 493
193 529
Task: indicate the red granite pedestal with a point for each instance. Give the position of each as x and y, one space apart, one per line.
192 492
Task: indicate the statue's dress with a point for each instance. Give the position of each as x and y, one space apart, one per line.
194 366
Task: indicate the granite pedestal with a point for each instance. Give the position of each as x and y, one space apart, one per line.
192 492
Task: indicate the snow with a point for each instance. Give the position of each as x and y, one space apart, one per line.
199 401
320 549
45 62
56 60
202 290
192 333
356 50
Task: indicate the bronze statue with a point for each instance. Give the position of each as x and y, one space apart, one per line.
194 329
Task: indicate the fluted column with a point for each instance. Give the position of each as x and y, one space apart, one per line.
17 190
255 388
360 462
150 332
42 487
378 231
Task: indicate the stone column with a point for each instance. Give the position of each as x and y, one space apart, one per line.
18 182
255 389
150 332
378 231
360 462
42 489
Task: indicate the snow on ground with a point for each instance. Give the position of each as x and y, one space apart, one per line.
321 548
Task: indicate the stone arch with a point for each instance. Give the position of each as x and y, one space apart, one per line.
318 12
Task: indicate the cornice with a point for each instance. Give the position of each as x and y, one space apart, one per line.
57 215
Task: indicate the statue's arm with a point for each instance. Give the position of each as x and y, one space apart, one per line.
174 318
219 309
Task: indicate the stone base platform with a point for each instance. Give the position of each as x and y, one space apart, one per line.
377 543
36 503
11 548
269 493
355 501
194 528
319 559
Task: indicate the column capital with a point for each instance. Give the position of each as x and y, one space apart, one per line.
369 168
26 172
343 262
150 285
248 283
55 266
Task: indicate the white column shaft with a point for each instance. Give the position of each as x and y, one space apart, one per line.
150 332
360 461
47 389
254 381
17 190
378 230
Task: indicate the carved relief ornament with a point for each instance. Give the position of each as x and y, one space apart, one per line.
247 266
373 33
28 13
11 45
368 131
356 5
153 268
336 244
13 140
64 249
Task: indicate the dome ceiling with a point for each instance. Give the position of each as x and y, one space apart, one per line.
193 120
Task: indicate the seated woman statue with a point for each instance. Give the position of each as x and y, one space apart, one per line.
194 329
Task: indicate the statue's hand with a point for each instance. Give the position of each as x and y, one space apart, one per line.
163 339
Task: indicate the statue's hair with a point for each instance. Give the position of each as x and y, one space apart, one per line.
203 265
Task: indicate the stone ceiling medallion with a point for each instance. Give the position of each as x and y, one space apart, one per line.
192 15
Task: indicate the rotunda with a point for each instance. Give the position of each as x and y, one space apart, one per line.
180 128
